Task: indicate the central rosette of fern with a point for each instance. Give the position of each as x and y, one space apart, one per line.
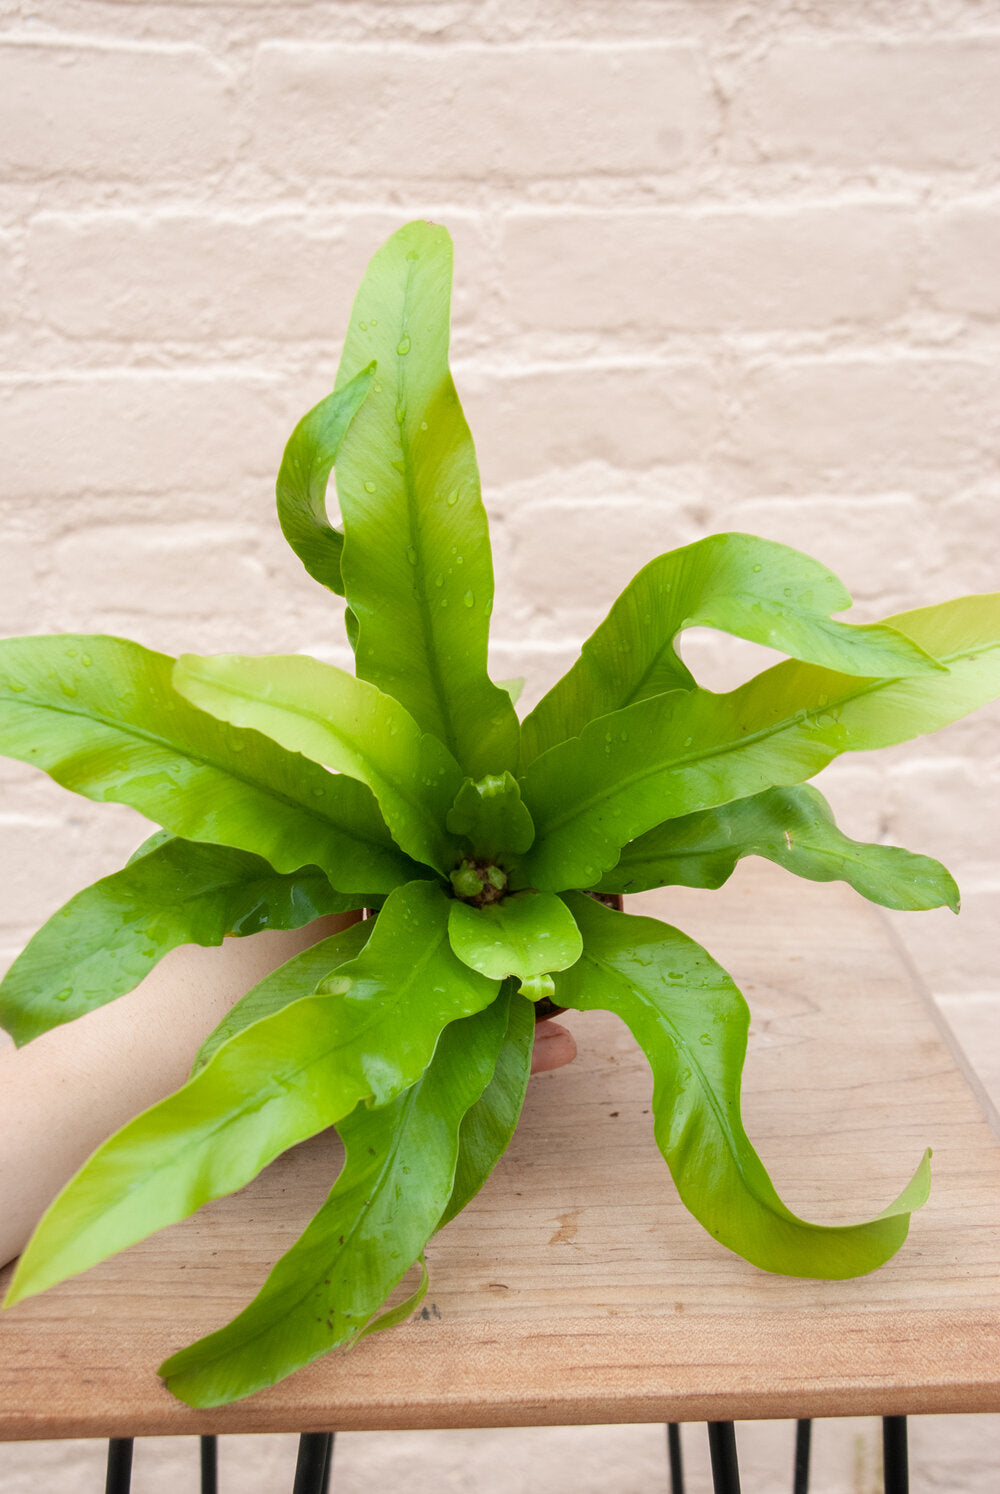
479 882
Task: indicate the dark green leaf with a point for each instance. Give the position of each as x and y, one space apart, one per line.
102 717
396 1180
108 938
346 724
490 1123
303 476
691 1022
751 587
367 1034
793 827
417 567
490 815
689 750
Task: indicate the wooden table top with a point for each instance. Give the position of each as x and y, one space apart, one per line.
576 1288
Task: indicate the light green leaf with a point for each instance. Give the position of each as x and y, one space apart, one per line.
689 750
525 935
369 1037
793 827
105 940
344 723
303 477
753 588
490 1123
417 567
396 1180
158 838
490 815
691 1022
513 687
101 716
289 982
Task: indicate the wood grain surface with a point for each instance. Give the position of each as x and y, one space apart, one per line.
576 1288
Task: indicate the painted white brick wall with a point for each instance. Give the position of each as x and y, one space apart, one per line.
718 266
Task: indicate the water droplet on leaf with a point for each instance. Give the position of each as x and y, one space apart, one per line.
369 487
404 345
336 985
411 554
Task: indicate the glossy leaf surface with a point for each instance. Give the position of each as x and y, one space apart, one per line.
753 588
417 567
344 723
691 1022
101 716
274 1084
793 827
289 982
490 1123
105 940
490 814
158 838
396 1180
527 934
303 477
691 750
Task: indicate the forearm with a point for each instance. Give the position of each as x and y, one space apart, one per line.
68 1090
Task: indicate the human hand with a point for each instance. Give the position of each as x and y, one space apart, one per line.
66 1092
555 1046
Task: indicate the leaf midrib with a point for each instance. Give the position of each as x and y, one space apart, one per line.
283 1305
626 781
390 785
142 735
416 537
631 994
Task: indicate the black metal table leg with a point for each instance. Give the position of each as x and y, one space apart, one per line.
895 1460
674 1456
119 1475
209 1465
803 1443
314 1462
725 1464
329 1463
